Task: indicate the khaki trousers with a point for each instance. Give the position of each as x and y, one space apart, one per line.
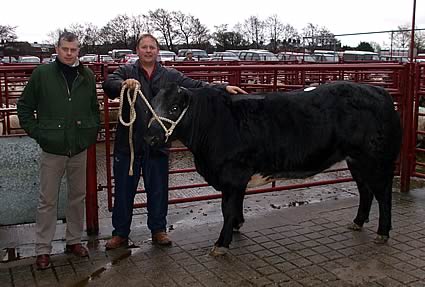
52 169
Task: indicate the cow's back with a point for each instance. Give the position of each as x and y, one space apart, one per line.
310 130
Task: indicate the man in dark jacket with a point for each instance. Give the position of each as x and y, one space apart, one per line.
63 95
150 76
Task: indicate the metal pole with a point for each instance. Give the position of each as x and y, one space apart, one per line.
92 215
407 163
412 36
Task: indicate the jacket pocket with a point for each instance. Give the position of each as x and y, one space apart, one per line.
87 129
51 135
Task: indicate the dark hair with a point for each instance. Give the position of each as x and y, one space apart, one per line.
143 36
67 36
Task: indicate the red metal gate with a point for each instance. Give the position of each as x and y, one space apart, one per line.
393 77
406 83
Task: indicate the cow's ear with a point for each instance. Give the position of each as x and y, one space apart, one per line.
182 90
184 93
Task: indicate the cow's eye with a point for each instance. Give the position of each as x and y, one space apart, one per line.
174 109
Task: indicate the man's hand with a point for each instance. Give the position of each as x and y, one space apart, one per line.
235 90
131 84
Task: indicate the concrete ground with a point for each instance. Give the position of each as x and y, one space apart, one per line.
305 245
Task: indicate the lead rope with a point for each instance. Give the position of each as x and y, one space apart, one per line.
132 117
155 117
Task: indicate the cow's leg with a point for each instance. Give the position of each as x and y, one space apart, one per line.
365 194
239 219
230 211
376 180
382 189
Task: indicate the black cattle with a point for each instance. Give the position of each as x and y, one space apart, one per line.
243 139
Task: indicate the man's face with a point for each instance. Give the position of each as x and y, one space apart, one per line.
147 50
68 52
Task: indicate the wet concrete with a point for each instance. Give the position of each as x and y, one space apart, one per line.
290 238
19 181
307 245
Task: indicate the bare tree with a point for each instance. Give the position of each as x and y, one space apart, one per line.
226 40
327 40
92 34
53 36
163 22
117 31
7 33
289 32
78 30
254 29
138 25
376 47
420 40
315 37
185 30
401 39
220 36
201 34
275 30
309 34
88 34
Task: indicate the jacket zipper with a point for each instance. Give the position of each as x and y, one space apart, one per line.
69 95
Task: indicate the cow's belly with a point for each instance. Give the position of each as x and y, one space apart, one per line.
259 179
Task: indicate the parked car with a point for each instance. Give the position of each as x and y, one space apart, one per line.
236 52
399 59
257 55
119 54
165 55
326 56
29 59
106 59
295 57
198 54
88 58
9 59
93 58
46 60
130 58
224 56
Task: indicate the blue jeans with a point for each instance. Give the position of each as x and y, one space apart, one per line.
155 176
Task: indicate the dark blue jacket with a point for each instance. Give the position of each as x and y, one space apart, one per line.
150 87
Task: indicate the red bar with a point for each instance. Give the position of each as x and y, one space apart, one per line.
92 215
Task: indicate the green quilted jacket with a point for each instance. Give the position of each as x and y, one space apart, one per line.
66 121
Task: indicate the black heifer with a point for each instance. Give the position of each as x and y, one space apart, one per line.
240 139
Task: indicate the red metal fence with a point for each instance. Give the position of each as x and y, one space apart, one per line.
406 83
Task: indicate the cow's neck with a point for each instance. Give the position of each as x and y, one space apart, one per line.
195 126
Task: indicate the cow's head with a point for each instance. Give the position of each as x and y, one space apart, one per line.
170 106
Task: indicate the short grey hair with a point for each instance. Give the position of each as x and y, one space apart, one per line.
67 36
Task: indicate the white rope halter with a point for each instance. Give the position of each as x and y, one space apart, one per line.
132 102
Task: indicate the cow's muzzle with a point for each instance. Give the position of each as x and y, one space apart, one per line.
153 141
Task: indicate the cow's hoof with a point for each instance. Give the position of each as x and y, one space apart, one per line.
218 251
236 228
381 239
355 227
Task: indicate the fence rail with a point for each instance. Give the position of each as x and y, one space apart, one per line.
405 82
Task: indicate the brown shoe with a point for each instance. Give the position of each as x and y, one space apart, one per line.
43 261
161 238
77 249
116 242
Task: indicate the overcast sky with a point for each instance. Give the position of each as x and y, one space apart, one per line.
35 19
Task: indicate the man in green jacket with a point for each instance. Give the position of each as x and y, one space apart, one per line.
63 96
